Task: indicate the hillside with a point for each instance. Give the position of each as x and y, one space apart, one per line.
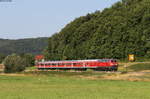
113 33
32 45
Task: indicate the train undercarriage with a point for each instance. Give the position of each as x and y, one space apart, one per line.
113 68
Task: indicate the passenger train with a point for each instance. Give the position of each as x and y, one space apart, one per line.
95 64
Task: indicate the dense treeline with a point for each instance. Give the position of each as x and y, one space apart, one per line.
113 33
21 46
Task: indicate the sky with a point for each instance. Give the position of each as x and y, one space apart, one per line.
42 18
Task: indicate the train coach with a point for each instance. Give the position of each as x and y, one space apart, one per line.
96 64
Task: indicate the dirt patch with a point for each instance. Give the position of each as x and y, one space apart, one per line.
3 74
1 66
89 77
131 76
15 74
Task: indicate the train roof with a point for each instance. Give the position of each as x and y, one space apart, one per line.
89 60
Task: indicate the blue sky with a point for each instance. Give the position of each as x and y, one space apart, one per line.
40 18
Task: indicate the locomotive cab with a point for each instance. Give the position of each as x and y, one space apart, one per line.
114 64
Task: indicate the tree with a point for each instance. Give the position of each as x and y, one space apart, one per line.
14 63
28 58
106 34
2 57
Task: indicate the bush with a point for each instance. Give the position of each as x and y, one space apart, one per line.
2 57
14 63
29 59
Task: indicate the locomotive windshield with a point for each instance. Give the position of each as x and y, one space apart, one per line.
113 61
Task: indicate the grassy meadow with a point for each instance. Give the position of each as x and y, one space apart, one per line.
69 85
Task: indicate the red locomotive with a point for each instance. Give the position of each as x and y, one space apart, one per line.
96 64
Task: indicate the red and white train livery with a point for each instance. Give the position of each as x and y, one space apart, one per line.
96 64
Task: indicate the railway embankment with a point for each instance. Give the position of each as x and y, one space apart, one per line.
135 71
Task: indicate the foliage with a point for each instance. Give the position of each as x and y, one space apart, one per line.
32 45
2 56
113 33
29 59
13 63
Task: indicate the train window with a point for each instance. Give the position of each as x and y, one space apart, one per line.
60 64
103 60
74 63
106 60
86 63
113 61
68 64
100 60
79 64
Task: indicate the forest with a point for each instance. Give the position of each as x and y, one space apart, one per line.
25 49
21 46
114 32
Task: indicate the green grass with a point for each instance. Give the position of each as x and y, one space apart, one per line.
137 59
61 85
31 68
142 59
140 67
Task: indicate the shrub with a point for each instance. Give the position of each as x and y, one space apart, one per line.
1 58
29 59
13 63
